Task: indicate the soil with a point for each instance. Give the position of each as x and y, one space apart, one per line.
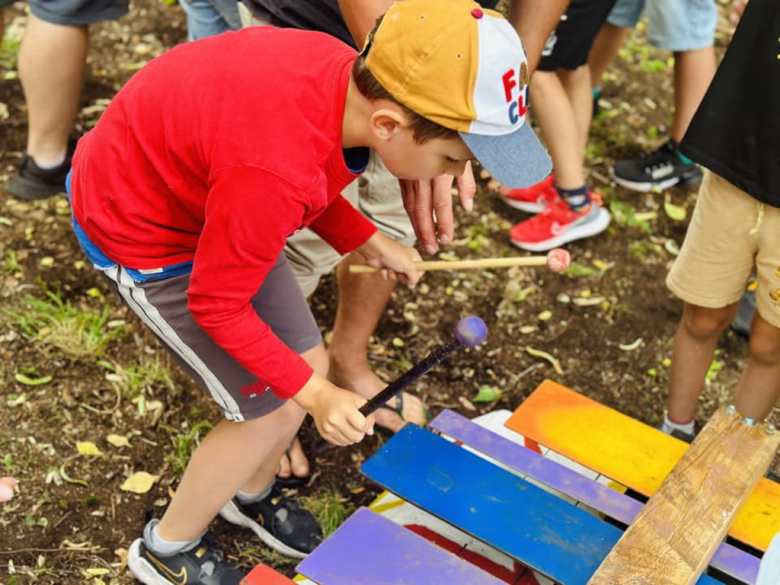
610 325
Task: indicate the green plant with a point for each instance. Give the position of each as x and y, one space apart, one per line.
185 442
625 216
329 510
55 322
138 380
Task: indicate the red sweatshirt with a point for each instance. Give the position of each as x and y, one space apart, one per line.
215 153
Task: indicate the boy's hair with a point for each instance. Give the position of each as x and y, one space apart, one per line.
423 129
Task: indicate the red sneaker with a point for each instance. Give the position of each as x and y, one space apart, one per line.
557 225
533 199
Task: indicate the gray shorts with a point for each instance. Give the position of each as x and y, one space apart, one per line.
75 12
162 305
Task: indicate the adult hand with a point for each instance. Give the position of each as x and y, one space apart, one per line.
396 260
429 206
335 411
737 8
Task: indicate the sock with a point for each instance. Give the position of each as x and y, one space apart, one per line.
244 498
166 548
577 199
669 426
676 145
49 165
596 92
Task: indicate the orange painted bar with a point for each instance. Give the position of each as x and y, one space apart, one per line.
628 451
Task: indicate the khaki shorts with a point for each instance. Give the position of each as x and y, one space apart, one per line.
730 235
376 194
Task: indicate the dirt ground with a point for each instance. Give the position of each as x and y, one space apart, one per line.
80 372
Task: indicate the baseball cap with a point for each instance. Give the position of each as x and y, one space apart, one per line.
463 67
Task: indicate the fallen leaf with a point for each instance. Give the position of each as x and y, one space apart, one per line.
88 448
118 440
487 394
631 346
139 483
545 315
675 212
545 356
27 381
466 403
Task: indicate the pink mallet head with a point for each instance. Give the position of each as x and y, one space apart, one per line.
558 260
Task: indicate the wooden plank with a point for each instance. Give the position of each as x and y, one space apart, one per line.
675 534
628 451
264 575
369 548
727 558
529 524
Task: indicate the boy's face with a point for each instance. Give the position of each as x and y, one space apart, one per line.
407 159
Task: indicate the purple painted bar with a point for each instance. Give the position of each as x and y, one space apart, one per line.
369 548
727 558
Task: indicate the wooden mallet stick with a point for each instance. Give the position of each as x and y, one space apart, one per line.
556 260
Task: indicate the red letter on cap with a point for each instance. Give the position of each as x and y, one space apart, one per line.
509 82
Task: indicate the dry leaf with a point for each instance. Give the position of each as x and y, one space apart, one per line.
139 483
88 448
118 440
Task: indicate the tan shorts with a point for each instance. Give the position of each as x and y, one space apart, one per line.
730 235
377 195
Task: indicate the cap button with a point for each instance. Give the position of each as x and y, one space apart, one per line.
477 13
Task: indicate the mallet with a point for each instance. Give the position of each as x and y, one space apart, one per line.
469 332
556 260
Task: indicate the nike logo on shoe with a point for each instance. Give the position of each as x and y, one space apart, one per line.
664 171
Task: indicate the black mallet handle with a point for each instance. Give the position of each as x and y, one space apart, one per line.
469 332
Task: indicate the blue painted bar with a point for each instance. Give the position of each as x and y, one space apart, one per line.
727 558
369 548
527 523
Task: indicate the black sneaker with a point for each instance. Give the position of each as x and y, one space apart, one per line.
30 182
201 565
662 168
279 522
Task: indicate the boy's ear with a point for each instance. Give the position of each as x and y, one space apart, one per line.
387 122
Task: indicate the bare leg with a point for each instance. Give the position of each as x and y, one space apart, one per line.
362 299
694 346
693 73
233 456
578 88
759 387
559 123
605 47
52 60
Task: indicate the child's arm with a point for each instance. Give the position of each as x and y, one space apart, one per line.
396 260
335 411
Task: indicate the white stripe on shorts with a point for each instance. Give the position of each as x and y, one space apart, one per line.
135 297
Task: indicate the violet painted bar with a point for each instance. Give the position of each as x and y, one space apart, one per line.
727 558
369 548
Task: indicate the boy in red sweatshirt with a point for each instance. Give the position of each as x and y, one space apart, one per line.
209 158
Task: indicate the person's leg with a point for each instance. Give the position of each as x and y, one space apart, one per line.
604 50
52 61
207 18
693 73
759 387
577 85
559 123
694 345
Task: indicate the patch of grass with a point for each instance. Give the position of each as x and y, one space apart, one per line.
9 49
12 265
329 509
185 441
138 380
625 216
52 321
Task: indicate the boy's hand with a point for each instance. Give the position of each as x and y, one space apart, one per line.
737 8
7 486
335 411
396 260
424 200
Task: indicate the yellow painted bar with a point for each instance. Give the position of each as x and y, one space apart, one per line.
628 451
673 537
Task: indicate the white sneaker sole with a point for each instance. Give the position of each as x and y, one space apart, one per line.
142 570
585 230
643 187
232 514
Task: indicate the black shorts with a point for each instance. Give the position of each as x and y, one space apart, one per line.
75 12
570 43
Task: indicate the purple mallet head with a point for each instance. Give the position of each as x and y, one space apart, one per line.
471 331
